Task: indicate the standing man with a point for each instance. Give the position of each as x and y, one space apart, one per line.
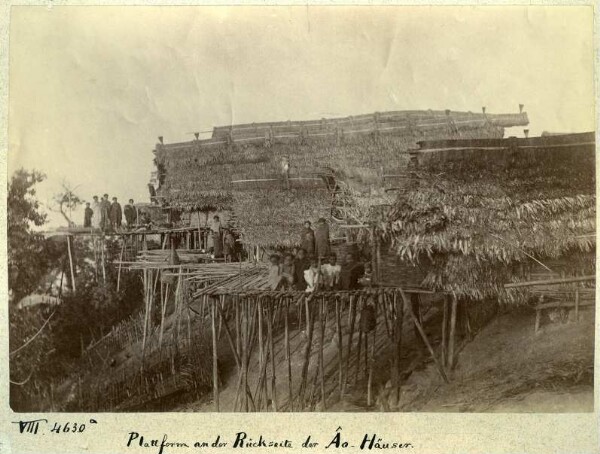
97 216
87 215
322 248
130 214
301 264
116 214
217 236
308 239
105 213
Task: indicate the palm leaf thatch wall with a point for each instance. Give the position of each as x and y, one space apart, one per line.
477 211
240 167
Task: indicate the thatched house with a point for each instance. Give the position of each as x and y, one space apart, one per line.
273 176
483 213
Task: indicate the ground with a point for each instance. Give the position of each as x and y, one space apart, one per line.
510 368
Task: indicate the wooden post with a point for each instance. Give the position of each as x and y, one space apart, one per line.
374 256
288 355
215 357
379 277
424 336
397 331
310 318
444 331
261 358
73 286
577 305
272 353
120 264
338 321
102 245
452 332
321 347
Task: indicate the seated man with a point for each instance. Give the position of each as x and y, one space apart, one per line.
312 276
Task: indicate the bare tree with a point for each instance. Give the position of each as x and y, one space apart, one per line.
67 201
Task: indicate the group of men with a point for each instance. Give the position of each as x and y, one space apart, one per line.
224 244
106 216
299 272
313 266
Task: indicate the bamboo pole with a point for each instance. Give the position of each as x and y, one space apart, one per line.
229 337
398 328
379 277
261 362
146 299
444 331
120 264
71 266
272 354
102 246
567 280
215 356
338 320
307 350
352 320
288 356
163 312
374 255
245 352
371 365
451 340
322 346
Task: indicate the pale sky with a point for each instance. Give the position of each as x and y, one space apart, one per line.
91 88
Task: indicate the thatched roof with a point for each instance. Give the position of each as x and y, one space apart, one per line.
240 167
479 208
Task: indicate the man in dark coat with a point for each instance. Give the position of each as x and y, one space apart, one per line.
87 215
322 248
350 273
301 263
116 214
105 213
130 214
307 241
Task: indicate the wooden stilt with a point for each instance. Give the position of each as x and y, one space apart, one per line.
577 305
374 255
444 331
120 264
352 320
71 265
338 321
307 350
371 364
272 355
102 246
215 355
288 356
423 336
397 329
321 348
163 312
360 342
261 359
451 340
229 337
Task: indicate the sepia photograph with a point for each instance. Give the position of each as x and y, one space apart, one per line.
362 209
